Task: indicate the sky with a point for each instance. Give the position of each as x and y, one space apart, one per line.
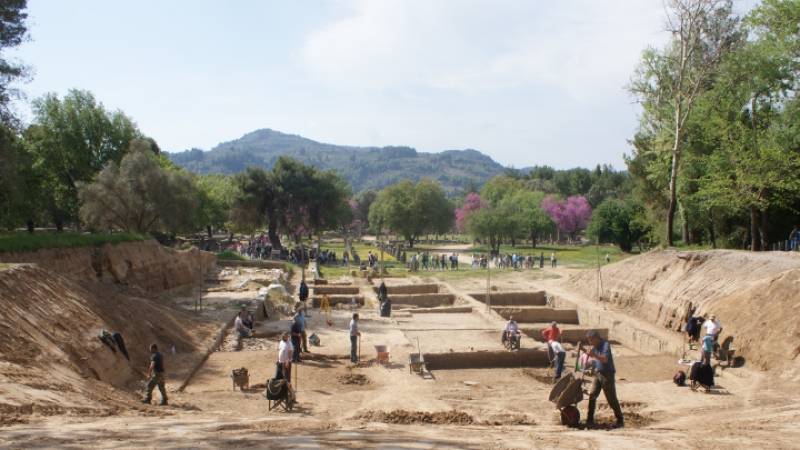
527 82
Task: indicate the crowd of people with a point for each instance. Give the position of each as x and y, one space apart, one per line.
431 261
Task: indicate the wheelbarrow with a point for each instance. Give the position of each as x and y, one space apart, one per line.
566 394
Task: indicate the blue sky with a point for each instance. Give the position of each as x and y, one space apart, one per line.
527 82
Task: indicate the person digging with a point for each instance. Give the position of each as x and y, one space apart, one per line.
603 378
155 375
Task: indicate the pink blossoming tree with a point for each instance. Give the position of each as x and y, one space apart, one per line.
472 203
570 215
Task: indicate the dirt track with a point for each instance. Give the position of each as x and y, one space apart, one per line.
391 407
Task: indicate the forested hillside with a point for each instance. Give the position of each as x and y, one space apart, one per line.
363 167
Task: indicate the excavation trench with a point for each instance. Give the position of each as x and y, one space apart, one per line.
408 289
423 300
486 359
538 314
336 290
334 300
538 298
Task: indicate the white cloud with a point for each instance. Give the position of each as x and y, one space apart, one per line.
576 47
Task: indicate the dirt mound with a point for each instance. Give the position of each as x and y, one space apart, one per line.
358 379
752 294
51 359
145 265
403 417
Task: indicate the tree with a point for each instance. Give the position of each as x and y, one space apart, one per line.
472 203
256 203
412 210
73 139
753 169
137 195
361 210
570 215
533 219
13 32
216 196
668 82
619 222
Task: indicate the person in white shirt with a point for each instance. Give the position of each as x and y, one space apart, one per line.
559 355
354 335
713 327
511 332
283 368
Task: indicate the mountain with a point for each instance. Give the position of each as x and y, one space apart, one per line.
363 167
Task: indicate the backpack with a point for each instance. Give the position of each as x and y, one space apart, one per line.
679 378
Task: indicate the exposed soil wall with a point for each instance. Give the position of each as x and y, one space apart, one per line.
571 335
337 300
538 298
146 265
407 289
332 289
754 295
423 300
538 314
49 349
486 359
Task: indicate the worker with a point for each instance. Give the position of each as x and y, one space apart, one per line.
603 378
354 335
551 333
713 327
511 331
155 375
303 292
301 318
559 356
283 367
297 334
240 325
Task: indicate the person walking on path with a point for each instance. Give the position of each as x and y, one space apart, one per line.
354 335
541 260
603 378
155 375
303 291
552 259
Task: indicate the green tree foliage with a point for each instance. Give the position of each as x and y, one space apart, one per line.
72 139
13 31
138 195
253 203
512 212
412 210
620 222
669 81
216 194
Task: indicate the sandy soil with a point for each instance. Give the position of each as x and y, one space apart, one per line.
370 405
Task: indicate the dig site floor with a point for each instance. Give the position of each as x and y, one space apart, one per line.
473 394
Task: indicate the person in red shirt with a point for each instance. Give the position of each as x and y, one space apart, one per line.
551 333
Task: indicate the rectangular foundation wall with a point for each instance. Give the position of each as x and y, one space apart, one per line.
423 300
335 290
408 289
513 298
573 335
337 300
538 315
486 359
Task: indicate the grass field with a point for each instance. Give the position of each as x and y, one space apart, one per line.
578 256
26 242
231 255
